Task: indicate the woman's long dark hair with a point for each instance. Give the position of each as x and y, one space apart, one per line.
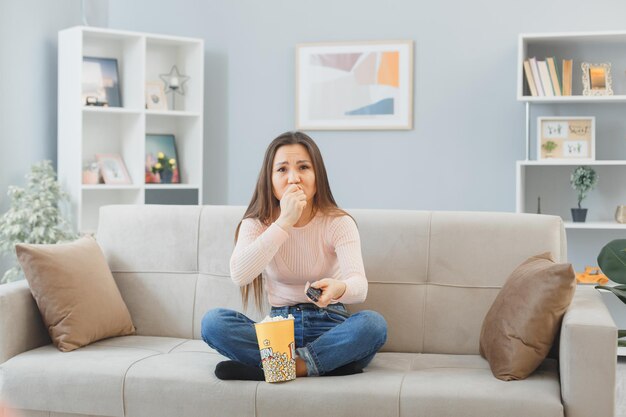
265 207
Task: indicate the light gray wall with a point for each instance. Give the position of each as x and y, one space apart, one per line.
28 91
28 86
469 128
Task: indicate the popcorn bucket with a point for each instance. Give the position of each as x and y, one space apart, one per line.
277 346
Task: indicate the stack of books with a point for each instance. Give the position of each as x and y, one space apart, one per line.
544 80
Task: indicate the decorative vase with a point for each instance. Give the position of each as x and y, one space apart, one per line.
620 214
90 177
166 177
579 215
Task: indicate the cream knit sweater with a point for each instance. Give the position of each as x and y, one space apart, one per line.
326 247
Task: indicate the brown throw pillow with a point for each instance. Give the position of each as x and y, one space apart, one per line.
525 317
75 292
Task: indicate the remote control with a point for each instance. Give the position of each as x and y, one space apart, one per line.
314 295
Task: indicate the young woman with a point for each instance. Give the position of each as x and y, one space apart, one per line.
293 233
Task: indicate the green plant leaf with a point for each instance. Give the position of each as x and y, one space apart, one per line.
612 260
621 333
621 294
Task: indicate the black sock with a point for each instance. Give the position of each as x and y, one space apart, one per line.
347 369
236 370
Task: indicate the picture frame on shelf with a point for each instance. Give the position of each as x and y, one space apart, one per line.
162 164
354 85
566 139
100 82
155 96
597 79
113 169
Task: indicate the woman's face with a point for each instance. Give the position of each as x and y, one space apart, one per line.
292 165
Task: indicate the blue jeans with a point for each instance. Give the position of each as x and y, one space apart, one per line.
324 340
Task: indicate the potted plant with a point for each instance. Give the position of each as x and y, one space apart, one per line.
549 146
34 215
612 262
583 180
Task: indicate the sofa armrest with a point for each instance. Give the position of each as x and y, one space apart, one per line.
21 326
588 356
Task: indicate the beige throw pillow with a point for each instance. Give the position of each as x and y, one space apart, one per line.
525 317
75 292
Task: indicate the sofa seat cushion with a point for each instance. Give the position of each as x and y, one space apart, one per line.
463 385
156 376
89 380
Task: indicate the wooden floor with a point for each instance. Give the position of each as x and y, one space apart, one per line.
620 408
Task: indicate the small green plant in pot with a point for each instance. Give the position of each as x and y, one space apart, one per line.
34 215
612 262
549 146
583 180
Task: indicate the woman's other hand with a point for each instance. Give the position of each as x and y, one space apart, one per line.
332 289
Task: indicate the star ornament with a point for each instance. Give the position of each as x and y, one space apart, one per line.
174 81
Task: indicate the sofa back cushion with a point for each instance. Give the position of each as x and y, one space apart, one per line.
432 275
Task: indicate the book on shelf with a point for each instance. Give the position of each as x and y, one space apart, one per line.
544 73
554 75
567 77
529 78
536 77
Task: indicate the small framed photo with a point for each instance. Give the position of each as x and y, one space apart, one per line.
597 79
155 96
162 165
566 139
354 85
100 82
113 169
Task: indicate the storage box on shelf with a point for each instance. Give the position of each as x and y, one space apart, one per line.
84 131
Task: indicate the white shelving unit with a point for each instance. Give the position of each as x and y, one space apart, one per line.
84 131
550 179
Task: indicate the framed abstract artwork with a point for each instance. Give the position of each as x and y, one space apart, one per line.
354 85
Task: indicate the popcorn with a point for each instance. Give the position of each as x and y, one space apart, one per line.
279 367
277 318
275 336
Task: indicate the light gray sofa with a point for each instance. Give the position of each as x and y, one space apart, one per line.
433 276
